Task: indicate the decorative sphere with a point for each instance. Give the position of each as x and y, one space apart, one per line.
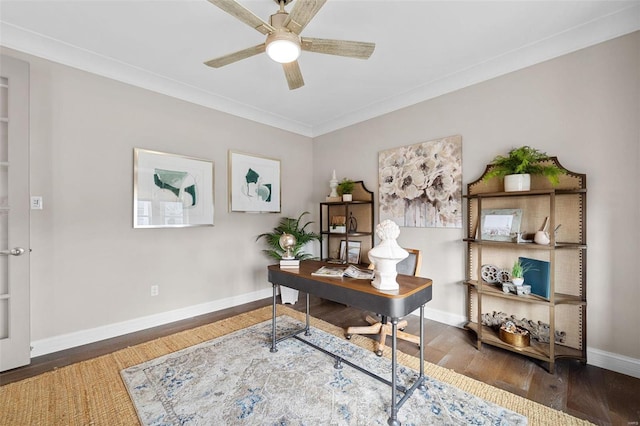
287 242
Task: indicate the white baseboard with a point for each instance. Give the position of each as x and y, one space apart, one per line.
444 317
614 362
610 361
83 337
596 357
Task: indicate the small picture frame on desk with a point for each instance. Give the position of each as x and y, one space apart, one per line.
352 253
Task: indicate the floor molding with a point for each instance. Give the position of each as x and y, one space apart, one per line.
92 335
614 362
444 317
596 357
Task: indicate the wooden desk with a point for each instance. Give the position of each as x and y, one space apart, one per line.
414 293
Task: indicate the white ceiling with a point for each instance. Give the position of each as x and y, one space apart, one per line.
423 49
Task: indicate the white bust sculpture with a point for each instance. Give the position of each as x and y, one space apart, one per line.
386 255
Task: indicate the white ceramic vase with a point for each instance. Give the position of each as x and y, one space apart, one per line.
514 183
347 197
517 281
542 238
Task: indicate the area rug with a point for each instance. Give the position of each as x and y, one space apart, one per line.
237 380
92 392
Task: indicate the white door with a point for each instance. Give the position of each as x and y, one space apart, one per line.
14 213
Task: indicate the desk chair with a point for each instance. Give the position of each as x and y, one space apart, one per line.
380 325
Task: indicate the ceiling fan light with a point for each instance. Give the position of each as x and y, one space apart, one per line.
283 47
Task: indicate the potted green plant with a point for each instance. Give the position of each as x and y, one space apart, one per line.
288 225
345 189
517 272
518 166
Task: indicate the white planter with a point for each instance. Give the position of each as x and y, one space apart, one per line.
288 295
338 229
347 197
517 281
514 183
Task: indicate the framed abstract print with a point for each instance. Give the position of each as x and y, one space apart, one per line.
171 191
254 183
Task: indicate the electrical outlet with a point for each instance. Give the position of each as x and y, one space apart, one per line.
155 290
36 203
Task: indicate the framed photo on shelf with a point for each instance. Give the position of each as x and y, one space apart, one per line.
254 183
351 254
500 224
171 191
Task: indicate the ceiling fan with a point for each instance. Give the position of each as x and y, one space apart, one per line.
283 43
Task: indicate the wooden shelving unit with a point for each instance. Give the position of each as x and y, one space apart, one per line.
565 309
361 208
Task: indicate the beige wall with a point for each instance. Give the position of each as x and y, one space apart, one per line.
583 108
91 269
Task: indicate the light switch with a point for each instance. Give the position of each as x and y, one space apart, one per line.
36 203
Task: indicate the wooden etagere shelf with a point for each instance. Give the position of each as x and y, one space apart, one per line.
559 298
527 246
361 210
536 350
565 308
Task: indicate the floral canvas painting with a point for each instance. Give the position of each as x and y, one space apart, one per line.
421 184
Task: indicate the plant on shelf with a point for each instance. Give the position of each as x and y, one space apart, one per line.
288 225
519 164
345 189
517 272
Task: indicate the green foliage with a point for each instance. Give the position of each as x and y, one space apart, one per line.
346 186
525 160
518 270
291 226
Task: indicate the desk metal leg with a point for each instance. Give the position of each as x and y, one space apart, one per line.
393 420
273 321
421 378
306 331
421 340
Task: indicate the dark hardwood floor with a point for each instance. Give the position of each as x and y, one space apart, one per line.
591 393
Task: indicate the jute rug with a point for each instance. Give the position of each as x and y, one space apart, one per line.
236 380
93 393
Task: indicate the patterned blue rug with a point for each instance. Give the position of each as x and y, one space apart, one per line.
236 380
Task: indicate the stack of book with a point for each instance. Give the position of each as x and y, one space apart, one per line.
289 263
351 271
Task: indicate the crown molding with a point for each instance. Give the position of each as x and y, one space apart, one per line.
32 43
597 31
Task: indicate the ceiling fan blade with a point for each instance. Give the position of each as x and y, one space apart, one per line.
235 56
293 74
235 9
303 11
351 49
